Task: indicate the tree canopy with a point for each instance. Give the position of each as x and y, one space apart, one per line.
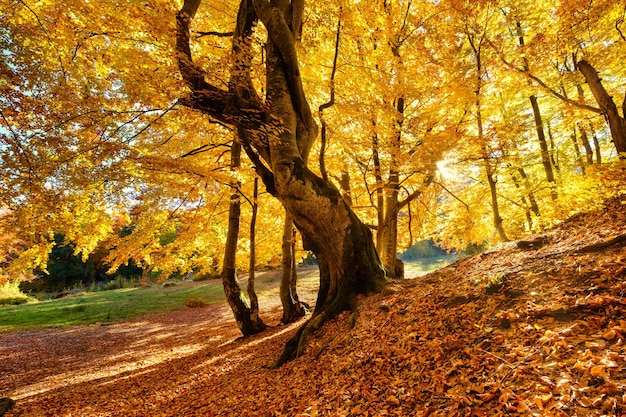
423 108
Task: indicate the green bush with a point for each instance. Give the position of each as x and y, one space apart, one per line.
119 283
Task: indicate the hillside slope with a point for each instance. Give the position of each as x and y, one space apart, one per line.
532 328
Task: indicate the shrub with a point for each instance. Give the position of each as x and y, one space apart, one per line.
120 282
10 293
196 302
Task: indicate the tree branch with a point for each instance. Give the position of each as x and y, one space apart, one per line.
282 38
416 193
330 102
217 103
542 84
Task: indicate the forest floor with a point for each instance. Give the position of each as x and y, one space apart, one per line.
530 328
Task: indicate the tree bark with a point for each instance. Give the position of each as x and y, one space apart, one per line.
527 206
579 157
277 136
292 308
497 219
389 228
596 145
541 136
380 196
617 123
254 300
585 140
246 316
543 144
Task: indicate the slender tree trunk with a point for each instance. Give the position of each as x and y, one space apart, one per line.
247 319
585 140
497 219
596 144
529 217
579 157
380 196
545 153
254 300
617 123
531 195
292 308
394 267
553 153
346 188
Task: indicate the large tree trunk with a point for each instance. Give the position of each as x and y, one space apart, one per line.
246 316
617 123
277 135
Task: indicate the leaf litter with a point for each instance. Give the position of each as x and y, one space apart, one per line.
532 328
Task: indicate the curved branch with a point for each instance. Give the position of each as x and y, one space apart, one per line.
542 84
282 38
454 196
218 103
330 102
416 193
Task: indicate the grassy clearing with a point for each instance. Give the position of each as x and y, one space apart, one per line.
125 303
107 306
419 267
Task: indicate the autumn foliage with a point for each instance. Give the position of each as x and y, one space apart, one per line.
533 331
372 125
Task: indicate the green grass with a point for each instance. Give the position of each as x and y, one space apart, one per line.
126 303
106 306
418 267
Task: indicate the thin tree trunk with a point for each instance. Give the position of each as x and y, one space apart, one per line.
394 267
292 309
529 217
553 152
346 188
545 153
247 319
579 157
596 145
380 196
254 300
497 219
585 140
617 123
531 196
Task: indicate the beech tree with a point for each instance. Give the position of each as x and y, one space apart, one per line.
114 115
276 131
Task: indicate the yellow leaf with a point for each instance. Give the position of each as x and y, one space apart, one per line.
598 370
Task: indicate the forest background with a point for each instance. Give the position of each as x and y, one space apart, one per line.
464 123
